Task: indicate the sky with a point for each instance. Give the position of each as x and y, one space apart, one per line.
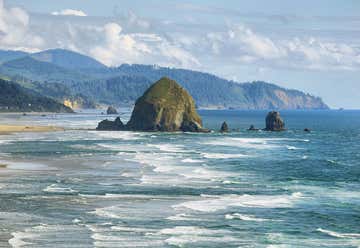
313 46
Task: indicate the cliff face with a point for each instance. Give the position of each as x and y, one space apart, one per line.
165 106
262 95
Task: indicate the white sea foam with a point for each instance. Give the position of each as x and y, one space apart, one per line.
131 229
339 235
169 148
292 148
107 212
222 155
181 235
214 203
244 217
25 166
17 239
190 160
181 217
254 143
202 173
122 135
54 188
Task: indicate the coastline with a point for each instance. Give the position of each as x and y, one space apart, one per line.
8 129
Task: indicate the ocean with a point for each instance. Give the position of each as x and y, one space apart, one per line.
82 188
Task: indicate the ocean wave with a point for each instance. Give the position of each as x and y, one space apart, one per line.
244 217
182 217
339 235
181 235
253 143
190 160
223 155
168 148
293 148
54 188
25 166
122 135
214 203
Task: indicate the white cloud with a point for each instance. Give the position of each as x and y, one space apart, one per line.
118 48
69 12
14 30
135 40
241 44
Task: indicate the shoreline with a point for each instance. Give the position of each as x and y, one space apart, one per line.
9 129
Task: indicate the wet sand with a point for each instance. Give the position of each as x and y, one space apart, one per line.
7 129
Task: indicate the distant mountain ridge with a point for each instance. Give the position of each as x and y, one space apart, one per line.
81 75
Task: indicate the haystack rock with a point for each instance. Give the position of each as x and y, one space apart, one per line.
107 125
165 106
274 122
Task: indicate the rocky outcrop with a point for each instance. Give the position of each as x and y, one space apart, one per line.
165 106
274 122
107 125
111 111
224 127
252 128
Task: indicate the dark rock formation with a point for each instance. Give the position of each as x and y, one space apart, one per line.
165 106
107 125
274 122
111 111
224 127
252 128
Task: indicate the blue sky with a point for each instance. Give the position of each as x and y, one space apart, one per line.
308 45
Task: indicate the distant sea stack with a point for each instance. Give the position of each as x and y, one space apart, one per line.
165 106
107 125
274 122
224 127
111 111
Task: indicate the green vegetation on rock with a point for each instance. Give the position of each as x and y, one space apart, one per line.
165 106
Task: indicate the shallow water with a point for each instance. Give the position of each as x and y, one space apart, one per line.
131 189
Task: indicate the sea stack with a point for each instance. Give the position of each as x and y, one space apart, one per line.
252 128
165 106
107 125
224 127
274 122
111 111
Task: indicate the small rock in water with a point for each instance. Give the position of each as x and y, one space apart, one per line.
274 122
111 111
224 127
252 128
107 125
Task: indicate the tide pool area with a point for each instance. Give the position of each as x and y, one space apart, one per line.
85 188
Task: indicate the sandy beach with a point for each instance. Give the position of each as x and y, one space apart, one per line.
7 129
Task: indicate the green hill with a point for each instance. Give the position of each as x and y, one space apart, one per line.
15 98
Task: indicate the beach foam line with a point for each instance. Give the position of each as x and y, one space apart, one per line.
169 147
244 217
339 235
213 203
254 143
122 135
223 155
182 235
25 166
54 188
190 160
